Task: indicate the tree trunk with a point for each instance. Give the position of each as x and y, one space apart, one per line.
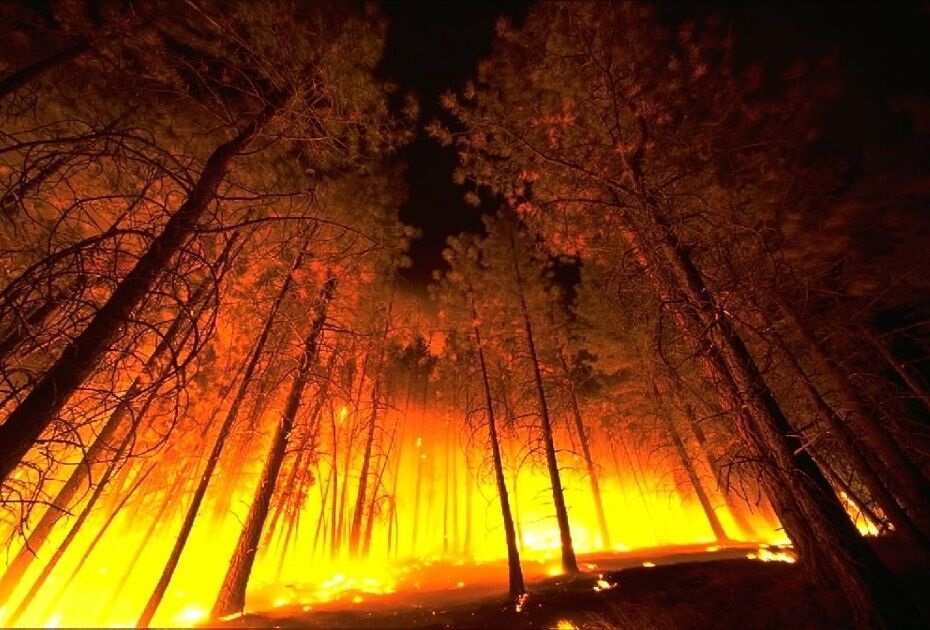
81 357
231 598
812 514
373 502
586 451
910 485
220 441
569 562
688 464
515 571
73 532
81 475
355 532
736 506
176 489
879 492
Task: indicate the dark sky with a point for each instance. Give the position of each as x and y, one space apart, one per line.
882 50
434 47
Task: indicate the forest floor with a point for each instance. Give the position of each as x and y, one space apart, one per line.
682 587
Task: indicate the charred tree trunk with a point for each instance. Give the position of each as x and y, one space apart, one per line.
220 441
911 487
81 357
879 492
586 451
231 598
806 504
735 505
177 487
65 544
515 571
98 448
373 502
569 562
355 532
686 461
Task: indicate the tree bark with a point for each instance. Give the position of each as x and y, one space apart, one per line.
879 492
65 544
231 598
358 512
569 562
81 357
515 571
219 442
910 485
593 476
686 461
804 500
81 474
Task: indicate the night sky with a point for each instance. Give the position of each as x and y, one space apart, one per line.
434 47
881 51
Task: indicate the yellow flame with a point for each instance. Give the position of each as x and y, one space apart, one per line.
436 496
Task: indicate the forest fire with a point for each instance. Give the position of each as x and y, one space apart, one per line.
652 363
310 568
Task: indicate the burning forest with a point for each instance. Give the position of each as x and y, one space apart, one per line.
598 318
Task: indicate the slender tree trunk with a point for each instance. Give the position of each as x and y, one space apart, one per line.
569 562
515 571
355 532
910 485
736 506
169 500
685 457
232 414
34 414
373 502
231 598
321 519
852 497
392 533
65 544
307 442
593 477
879 492
803 498
98 448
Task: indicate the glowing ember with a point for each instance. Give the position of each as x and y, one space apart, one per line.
648 564
766 555
521 602
564 624
603 585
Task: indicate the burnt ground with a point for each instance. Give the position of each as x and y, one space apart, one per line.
688 588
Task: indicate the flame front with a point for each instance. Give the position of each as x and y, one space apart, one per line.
435 502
